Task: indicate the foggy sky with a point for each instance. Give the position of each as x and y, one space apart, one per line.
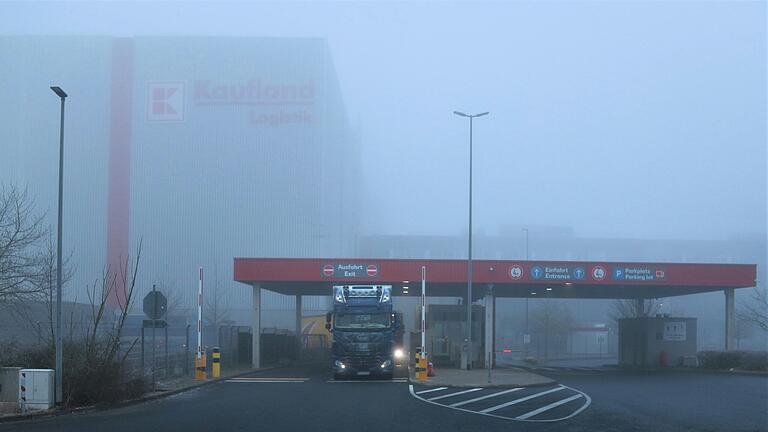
643 120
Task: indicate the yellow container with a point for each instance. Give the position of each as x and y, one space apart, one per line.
200 363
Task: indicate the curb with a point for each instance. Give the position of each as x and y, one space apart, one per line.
53 412
616 368
413 380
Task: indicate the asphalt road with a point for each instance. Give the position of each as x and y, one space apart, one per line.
306 399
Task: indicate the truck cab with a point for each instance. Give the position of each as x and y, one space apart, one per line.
366 332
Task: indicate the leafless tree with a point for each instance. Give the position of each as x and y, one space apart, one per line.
44 282
756 311
216 309
551 319
631 308
21 233
177 302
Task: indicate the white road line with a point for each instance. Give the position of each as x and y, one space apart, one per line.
264 381
517 401
486 397
367 381
455 394
431 390
548 407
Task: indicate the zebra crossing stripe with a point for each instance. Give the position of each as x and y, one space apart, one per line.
455 394
517 401
486 397
431 390
548 407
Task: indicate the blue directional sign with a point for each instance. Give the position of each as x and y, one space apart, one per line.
537 272
618 274
638 273
579 273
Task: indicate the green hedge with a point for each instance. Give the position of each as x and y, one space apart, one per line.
743 360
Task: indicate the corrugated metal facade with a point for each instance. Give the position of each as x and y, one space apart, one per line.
238 147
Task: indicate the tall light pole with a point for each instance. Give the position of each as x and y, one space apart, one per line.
468 358
527 336
59 393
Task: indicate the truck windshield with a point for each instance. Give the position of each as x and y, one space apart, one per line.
362 321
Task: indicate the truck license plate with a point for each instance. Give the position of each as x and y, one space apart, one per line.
364 373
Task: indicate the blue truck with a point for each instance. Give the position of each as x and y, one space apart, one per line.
367 334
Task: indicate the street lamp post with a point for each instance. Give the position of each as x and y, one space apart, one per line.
59 393
527 336
468 359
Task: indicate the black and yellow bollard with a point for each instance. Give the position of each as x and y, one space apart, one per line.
216 363
421 366
200 363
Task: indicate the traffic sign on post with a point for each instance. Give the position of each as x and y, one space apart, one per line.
155 305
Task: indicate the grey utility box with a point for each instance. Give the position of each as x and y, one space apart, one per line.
656 341
9 384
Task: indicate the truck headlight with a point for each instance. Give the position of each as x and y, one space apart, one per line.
386 363
399 353
340 365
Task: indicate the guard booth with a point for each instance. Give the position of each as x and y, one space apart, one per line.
656 341
446 334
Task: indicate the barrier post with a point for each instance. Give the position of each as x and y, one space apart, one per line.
421 366
200 363
216 365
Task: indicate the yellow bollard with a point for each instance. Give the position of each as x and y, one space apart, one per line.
421 366
216 365
200 363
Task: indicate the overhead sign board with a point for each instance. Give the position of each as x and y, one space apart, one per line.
558 272
637 273
350 270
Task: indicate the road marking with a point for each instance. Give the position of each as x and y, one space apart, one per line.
431 390
369 381
486 397
264 381
517 401
587 402
547 407
270 378
455 394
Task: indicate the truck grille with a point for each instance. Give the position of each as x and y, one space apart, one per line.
363 363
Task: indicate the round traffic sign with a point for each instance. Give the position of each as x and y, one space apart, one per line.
516 272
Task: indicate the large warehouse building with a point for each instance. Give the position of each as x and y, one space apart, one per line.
203 148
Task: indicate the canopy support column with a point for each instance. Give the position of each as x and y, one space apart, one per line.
299 344
730 319
256 327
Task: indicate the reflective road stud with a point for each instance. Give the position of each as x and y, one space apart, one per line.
200 367
216 365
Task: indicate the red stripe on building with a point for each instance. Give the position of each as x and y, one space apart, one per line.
118 200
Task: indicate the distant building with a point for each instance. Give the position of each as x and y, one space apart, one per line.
203 148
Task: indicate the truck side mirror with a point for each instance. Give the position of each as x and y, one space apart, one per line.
328 326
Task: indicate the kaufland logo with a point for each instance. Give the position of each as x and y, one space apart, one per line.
165 101
254 92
